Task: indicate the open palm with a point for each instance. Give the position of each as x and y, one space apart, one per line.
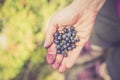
83 22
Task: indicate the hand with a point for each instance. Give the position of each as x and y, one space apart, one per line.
82 16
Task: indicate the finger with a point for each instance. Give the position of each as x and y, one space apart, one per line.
51 29
68 61
58 61
73 56
51 54
62 67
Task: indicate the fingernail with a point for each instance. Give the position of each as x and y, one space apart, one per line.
45 44
55 65
61 70
51 58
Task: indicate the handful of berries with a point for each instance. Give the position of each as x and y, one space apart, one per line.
65 40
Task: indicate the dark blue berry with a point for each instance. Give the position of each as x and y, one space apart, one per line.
59 37
61 44
64 36
65 30
65 54
58 51
67 44
56 34
69 34
58 47
69 48
75 32
73 45
77 40
67 38
71 28
65 41
64 46
69 41
56 41
72 38
73 35
60 34
73 41
55 38
62 52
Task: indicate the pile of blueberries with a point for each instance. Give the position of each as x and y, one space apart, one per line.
65 40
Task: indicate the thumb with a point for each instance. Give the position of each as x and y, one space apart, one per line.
51 29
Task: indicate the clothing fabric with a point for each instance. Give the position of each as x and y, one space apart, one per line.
118 7
106 34
113 64
107 26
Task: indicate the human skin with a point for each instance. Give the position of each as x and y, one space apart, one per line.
81 14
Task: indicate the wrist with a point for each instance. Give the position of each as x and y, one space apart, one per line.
78 5
87 4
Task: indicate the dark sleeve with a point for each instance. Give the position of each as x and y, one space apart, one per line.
113 64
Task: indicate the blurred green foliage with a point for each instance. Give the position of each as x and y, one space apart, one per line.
22 29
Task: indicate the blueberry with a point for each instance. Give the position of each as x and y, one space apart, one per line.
69 41
65 50
56 34
69 34
69 48
55 38
73 34
62 52
64 36
73 45
73 41
56 41
58 51
64 46
71 28
77 40
67 38
72 38
65 41
60 34
65 54
61 44
58 47
59 37
65 30
67 44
